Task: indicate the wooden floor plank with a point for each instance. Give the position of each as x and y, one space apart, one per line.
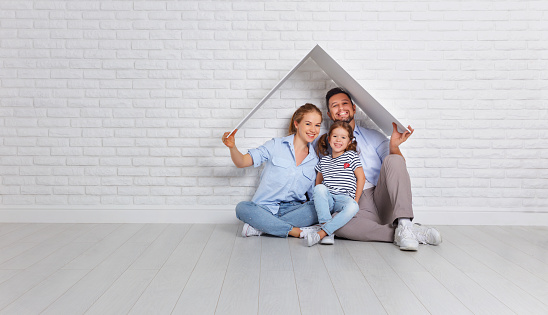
206 269
277 282
164 290
353 291
501 247
98 232
278 293
25 280
240 290
6 228
482 248
517 299
86 291
123 293
15 249
524 240
432 294
20 233
162 247
395 296
105 247
472 295
41 296
202 290
313 281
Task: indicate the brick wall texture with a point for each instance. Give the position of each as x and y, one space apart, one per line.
124 102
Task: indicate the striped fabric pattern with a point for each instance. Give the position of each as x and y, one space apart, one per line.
338 173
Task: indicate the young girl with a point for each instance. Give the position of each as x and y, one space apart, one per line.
279 206
339 182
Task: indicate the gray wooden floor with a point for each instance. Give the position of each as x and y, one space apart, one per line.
210 269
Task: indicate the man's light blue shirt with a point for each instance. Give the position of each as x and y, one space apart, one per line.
282 180
373 147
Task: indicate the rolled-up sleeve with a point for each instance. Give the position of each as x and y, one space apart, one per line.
262 153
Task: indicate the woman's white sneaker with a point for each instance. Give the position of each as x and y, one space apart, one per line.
248 230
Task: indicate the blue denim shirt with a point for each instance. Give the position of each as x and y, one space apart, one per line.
373 147
282 180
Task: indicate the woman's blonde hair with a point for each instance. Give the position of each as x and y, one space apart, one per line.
323 144
299 114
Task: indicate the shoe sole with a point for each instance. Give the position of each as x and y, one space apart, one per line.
410 249
407 248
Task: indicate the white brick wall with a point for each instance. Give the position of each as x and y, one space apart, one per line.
121 104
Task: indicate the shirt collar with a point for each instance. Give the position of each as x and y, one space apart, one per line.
289 139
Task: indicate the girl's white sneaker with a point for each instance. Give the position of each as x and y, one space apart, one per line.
328 240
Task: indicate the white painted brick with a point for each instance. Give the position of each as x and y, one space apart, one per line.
130 84
68 171
150 181
165 191
115 161
51 181
51 200
18 200
133 191
83 200
148 200
101 190
148 161
68 190
131 151
116 200
116 181
166 152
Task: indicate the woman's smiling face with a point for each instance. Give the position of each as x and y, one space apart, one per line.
309 127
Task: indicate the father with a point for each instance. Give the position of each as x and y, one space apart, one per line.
385 207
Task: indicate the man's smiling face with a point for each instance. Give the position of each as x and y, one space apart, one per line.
341 108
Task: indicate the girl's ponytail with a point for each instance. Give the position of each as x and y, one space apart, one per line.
323 145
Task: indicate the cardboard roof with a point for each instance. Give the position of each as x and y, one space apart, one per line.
372 108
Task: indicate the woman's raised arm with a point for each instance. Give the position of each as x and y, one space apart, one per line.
239 159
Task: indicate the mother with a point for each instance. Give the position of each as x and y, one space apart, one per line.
279 206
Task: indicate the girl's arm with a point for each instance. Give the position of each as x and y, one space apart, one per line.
319 178
360 181
239 159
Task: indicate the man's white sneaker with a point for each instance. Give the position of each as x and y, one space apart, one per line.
426 235
405 239
313 239
309 229
328 240
248 230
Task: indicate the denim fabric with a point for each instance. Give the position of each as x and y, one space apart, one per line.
282 180
289 215
327 203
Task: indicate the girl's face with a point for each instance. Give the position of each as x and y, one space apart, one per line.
339 141
309 127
